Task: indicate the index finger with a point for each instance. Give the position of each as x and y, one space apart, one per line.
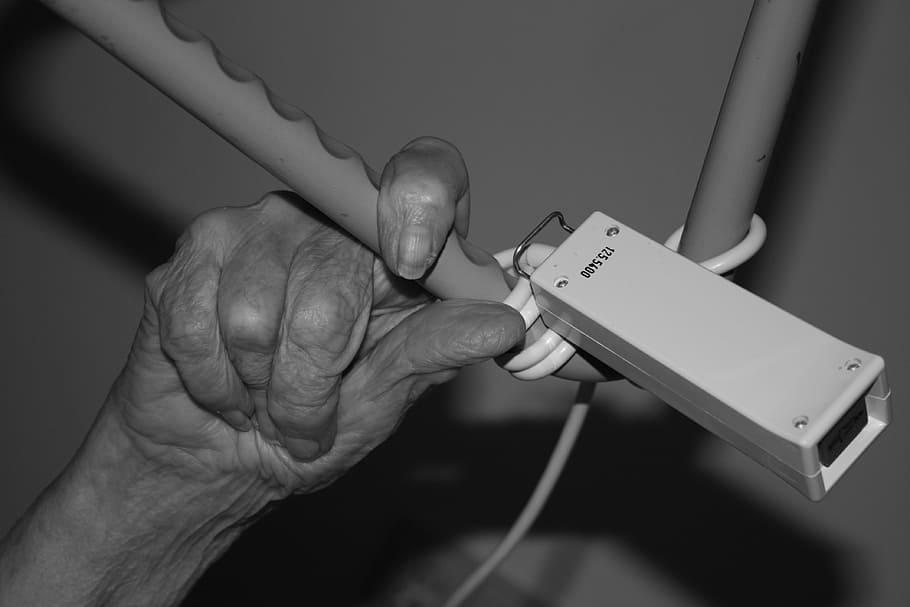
424 192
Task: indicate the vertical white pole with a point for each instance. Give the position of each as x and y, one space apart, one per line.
747 126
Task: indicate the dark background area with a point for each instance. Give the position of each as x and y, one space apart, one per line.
579 107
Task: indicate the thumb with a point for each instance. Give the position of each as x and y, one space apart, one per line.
449 335
423 193
424 350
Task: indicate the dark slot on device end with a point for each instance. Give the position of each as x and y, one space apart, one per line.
843 432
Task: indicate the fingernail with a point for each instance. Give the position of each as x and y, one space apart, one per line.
303 449
414 251
238 420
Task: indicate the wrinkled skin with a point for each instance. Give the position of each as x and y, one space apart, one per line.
273 354
275 346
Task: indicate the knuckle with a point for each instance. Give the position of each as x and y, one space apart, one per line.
189 323
321 321
207 229
248 324
277 202
187 332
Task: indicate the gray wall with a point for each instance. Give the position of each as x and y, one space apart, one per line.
576 106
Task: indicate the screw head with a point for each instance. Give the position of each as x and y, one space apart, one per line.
853 365
800 422
612 231
561 282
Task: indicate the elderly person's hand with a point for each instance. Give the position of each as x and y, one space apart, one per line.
274 353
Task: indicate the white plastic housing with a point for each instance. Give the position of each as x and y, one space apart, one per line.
769 383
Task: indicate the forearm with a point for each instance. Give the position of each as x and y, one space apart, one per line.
111 530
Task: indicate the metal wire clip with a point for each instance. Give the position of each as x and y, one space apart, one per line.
526 241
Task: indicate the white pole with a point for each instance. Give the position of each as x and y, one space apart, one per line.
747 126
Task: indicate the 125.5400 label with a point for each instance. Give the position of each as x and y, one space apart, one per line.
597 261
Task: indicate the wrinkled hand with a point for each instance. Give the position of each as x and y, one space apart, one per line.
274 347
274 353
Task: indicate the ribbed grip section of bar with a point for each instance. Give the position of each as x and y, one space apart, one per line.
281 137
284 139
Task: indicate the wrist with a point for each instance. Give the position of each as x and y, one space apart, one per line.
137 490
163 522
118 527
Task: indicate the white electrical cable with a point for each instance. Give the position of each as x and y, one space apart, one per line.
538 499
549 352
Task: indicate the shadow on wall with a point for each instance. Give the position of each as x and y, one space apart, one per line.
331 547
94 202
437 480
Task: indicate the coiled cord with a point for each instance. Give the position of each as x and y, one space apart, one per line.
550 351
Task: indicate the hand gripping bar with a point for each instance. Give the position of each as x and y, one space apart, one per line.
282 138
